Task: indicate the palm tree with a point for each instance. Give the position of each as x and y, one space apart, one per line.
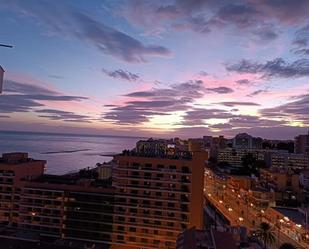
266 234
287 246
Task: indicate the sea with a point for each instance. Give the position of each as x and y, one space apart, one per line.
65 153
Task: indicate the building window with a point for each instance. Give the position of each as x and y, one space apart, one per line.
133 239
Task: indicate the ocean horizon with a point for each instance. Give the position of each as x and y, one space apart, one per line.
65 152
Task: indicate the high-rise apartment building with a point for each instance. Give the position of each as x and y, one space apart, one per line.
301 144
156 198
245 141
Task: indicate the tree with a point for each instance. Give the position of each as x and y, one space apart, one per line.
287 246
266 234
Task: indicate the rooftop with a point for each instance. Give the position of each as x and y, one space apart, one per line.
16 158
183 155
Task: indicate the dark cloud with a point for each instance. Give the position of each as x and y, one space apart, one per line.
198 116
236 103
129 115
275 68
257 92
17 103
221 126
297 110
203 73
11 86
54 76
4 116
64 20
121 74
258 20
247 121
301 41
22 97
302 36
221 90
110 105
53 114
265 33
303 51
243 82
189 90
146 104
116 43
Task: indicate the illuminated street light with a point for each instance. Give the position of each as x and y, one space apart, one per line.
262 211
298 225
230 209
220 201
238 196
286 218
241 219
209 194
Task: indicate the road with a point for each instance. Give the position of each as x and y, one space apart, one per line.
240 212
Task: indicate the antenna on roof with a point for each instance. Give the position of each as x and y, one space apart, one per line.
1 69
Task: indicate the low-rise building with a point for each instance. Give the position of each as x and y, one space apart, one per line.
233 157
284 159
285 183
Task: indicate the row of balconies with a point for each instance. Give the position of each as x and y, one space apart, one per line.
154 224
184 170
164 216
155 179
153 195
150 187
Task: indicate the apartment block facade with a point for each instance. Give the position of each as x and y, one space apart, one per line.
156 199
14 169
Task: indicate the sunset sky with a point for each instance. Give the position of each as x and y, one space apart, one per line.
151 68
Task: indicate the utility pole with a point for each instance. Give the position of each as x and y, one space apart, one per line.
1 69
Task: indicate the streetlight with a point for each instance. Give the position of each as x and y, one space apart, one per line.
281 221
1 69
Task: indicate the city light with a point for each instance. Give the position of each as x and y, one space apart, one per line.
230 209
221 201
241 219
